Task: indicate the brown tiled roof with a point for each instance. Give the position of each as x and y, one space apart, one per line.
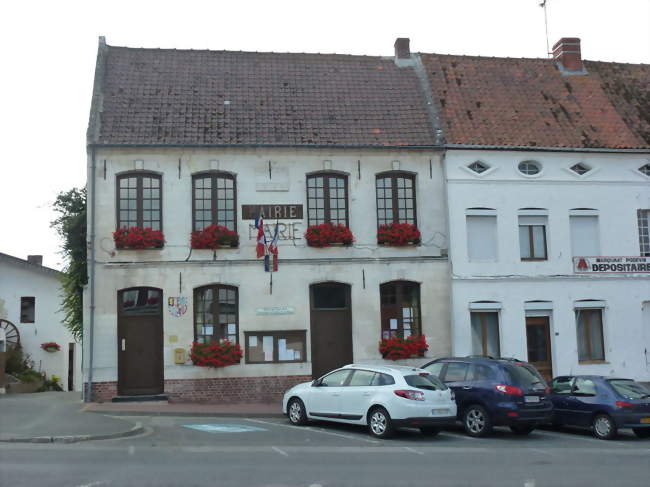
183 97
529 102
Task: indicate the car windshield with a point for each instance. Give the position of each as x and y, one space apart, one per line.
425 381
524 375
629 389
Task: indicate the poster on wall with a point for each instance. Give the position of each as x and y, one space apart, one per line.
177 305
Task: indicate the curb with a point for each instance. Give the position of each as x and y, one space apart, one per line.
204 414
136 430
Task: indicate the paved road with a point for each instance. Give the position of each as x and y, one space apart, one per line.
272 453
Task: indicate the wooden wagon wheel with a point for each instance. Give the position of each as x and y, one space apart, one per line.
12 335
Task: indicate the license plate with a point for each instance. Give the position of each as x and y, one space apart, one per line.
531 398
438 412
645 420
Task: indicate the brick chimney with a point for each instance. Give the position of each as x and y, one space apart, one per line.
402 48
567 52
35 259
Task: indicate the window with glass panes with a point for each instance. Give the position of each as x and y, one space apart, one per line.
396 198
591 344
214 201
216 314
400 309
485 333
327 199
644 232
139 201
532 237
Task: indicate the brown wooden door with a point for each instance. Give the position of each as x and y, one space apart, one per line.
538 337
140 341
331 327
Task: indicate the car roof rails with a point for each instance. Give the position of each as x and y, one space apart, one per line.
510 359
480 356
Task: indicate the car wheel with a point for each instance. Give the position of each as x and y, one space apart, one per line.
642 432
379 423
476 421
429 430
296 410
523 429
604 427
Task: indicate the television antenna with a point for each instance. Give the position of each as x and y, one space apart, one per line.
543 5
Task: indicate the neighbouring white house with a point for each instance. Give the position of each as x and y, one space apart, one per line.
180 140
547 165
30 303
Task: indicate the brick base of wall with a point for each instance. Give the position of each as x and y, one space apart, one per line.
218 390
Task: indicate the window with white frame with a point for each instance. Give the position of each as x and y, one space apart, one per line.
585 235
485 333
481 234
533 234
589 324
644 232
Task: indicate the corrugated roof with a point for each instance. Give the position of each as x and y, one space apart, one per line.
183 97
530 103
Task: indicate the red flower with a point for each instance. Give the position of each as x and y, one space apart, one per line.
396 348
49 346
398 234
325 234
214 237
215 354
138 238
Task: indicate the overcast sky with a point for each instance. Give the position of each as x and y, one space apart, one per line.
49 48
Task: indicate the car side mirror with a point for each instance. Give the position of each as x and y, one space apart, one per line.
316 383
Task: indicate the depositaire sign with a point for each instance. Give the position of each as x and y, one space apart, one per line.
611 265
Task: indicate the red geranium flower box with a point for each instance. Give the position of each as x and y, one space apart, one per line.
396 348
398 234
326 234
214 237
215 354
136 238
51 346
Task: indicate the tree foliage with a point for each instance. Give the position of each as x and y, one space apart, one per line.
71 227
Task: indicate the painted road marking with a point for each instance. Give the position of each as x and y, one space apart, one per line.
413 450
315 430
566 436
223 428
281 452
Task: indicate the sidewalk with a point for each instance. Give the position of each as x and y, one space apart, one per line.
161 408
48 417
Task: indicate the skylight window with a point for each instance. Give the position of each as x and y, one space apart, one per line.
478 167
645 170
529 168
580 168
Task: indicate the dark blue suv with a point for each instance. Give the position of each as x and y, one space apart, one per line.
495 392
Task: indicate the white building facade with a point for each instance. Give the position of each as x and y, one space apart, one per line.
30 303
360 155
516 242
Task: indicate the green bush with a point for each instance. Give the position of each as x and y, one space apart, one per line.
29 375
17 361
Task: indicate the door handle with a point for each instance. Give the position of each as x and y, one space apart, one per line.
367 393
335 394
123 344
467 388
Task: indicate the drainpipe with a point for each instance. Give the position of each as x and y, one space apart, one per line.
91 322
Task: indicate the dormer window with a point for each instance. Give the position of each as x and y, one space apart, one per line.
478 167
645 170
580 168
529 168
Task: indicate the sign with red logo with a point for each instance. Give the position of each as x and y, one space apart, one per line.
611 265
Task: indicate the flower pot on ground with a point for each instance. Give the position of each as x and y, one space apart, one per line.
398 234
214 237
215 354
328 234
136 238
396 348
50 347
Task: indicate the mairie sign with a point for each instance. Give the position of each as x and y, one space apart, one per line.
611 265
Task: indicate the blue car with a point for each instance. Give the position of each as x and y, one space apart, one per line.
602 403
495 392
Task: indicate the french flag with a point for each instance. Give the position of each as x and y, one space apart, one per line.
273 247
261 239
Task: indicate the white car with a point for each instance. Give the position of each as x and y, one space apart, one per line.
383 398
